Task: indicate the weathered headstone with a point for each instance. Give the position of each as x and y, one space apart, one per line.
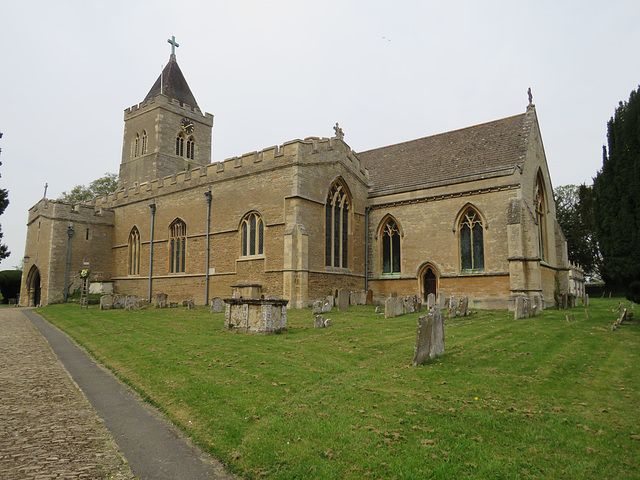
317 307
586 312
442 300
357 298
343 300
119 301
191 304
173 304
328 323
326 308
131 302
217 304
106 302
161 300
429 337
143 303
369 297
408 305
535 306
431 301
377 309
463 309
522 307
331 300
393 306
318 322
453 306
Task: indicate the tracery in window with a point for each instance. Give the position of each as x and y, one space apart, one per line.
540 207
134 252
471 241
180 145
252 228
390 247
191 147
145 140
337 226
177 246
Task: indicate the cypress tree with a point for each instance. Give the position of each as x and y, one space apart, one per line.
617 198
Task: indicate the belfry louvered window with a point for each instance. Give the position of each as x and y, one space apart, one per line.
177 246
471 241
180 145
191 147
337 227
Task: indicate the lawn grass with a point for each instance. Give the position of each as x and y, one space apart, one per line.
510 399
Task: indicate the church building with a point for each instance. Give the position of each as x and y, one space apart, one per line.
469 213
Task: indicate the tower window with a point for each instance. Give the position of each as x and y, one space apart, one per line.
136 145
144 142
191 146
180 145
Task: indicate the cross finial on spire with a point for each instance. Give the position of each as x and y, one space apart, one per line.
173 43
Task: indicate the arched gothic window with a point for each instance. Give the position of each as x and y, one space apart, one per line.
390 247
180 145
541 209
471 241
191 148
177 246
134 252
145 142
252 228
337 227
136 146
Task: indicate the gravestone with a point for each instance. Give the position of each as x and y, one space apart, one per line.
317 307
119 301
535 306
106 302
343 300
131 302
586 312
143 304
523 304
463 309
328 323
442 300
429 337
431 301
191 304
217 304
161 300
409 305
378 309
326 308
331 300
393 306
173 304
357 298
318 322
369 297
453 306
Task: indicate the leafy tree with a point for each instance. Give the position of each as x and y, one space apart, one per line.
617 197
4 201
574 211
98 188
10 284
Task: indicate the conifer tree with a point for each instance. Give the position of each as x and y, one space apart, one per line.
4 201
617 198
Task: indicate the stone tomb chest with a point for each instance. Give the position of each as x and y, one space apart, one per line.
255 315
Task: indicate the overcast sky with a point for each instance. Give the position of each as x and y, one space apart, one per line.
273 71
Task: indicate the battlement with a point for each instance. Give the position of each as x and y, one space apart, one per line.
164 100
294 152
83 212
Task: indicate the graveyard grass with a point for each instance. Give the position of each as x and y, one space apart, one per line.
510 399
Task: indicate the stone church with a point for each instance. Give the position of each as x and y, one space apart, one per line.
468 212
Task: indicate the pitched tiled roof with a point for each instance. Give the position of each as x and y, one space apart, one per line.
174 85
493 148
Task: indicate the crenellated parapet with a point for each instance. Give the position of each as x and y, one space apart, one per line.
294 152
62 211
169 103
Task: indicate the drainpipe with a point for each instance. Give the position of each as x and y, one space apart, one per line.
70 232
366 249
207 194
153 221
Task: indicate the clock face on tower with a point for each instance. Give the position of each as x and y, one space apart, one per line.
187 125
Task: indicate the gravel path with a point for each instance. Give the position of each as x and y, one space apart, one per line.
48 429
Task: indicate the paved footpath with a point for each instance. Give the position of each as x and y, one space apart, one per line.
51 429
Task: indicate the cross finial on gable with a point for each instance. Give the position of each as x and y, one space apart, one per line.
530 96
339 132
173 43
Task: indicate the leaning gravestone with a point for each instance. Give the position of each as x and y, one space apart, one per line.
343 300
393 306
328 323
377 309
331 300
131 302
317 307
442 300
429 337
326 308
463 308
217 304
431 301
106 302
161 300
453 306
318 322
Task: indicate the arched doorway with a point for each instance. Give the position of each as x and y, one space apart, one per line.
33 287
428 280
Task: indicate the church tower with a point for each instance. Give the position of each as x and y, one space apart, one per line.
166 133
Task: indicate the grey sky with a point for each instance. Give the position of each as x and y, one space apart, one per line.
273 71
